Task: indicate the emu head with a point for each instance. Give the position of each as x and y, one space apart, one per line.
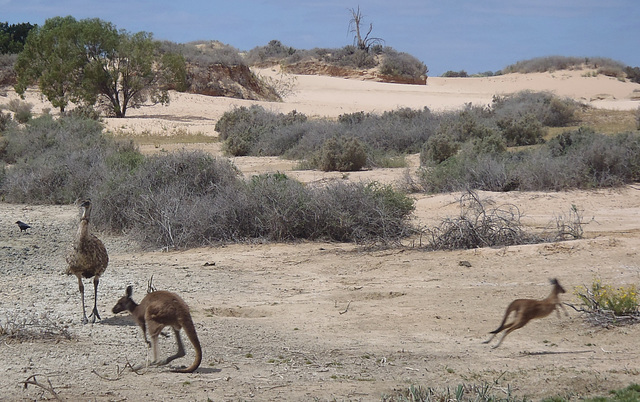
85 205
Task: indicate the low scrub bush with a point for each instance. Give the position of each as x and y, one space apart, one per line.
554 63
159 198
254 131
402 65
437 149
605 305
633 74
510 121
548 109
526 130
7 72
387 60
189 199
272 53
576 159
341 154
21 110
5 121
455 74
204 53
54 161
351 57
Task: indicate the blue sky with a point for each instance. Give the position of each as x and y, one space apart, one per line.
474 36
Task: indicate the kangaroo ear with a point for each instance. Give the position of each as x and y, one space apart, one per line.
129 291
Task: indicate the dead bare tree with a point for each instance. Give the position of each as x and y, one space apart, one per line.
363 43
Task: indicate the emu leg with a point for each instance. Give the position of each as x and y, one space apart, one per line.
81 287
94 314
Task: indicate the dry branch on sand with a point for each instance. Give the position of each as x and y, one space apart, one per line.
32 380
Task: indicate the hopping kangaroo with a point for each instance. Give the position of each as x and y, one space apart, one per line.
157 310
528 309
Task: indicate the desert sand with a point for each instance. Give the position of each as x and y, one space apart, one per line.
331 321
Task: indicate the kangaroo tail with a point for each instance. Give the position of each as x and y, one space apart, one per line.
190 329
504 320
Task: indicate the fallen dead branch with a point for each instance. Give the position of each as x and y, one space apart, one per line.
119 372
32 380
346 309
601 317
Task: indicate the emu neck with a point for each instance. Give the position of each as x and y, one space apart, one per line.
83 228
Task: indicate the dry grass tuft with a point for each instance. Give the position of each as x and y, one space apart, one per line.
19 326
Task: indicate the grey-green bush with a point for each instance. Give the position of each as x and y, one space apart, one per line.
524 130
437 149
576 159
342 155
54 161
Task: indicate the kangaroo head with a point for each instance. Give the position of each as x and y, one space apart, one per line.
125 302
557 287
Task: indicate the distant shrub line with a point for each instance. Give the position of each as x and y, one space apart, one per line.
186 199
358 140
498 148
605 65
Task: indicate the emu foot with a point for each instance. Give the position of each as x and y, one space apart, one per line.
94 314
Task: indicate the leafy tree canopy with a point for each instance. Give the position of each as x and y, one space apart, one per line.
13 36
90 62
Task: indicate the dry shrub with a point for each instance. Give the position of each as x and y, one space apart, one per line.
190 199
7 72
479 226
606 306
20 326
21 110
54 161
342 155
569 226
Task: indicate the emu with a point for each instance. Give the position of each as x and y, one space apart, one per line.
87 259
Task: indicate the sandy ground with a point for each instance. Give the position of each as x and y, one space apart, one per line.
330 321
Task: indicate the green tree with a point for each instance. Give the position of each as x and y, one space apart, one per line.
52 58
91 62
13 36
121 71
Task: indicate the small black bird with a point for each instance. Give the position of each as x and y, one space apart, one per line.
23 226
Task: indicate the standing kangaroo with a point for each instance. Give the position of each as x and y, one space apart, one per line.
157 310
528 309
